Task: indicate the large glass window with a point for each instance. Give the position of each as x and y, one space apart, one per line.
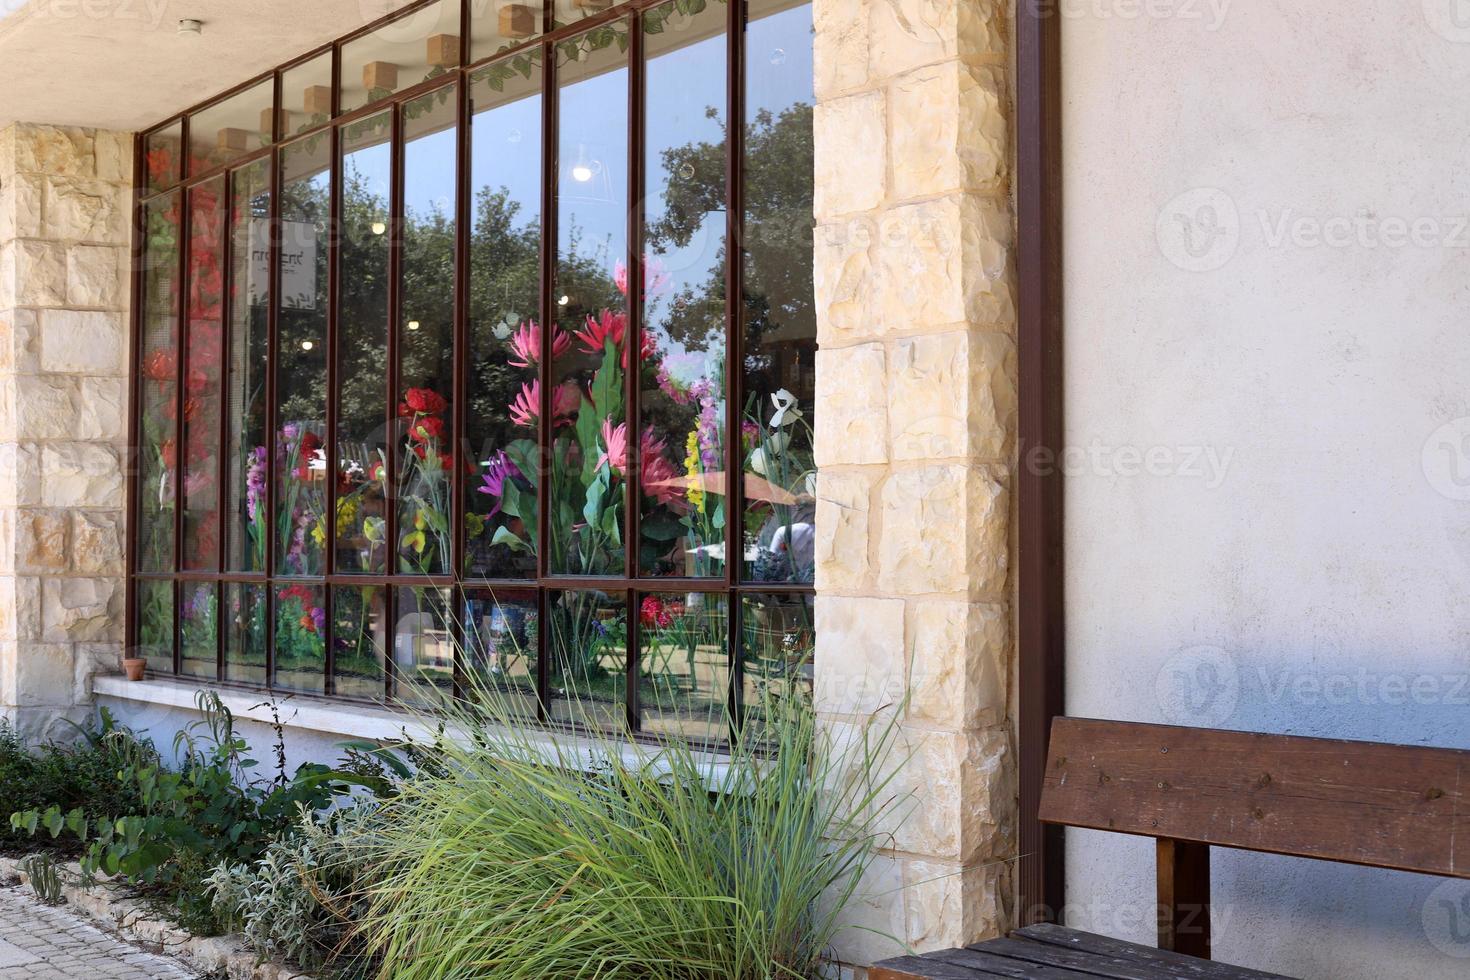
476 352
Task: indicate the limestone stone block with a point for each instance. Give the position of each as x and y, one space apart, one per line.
102 410
45 406
952 394
21 200
93 659
81 609
81 475
84 210
7 152
948 131
849 145
847 300
7 274
40 273
39 674
953 795
20 607
848 533
80 342
871 925
948 905
41 541
906 34
852 423
20 474
96 543
860 656
114 152
946 261
840 46
959 663
67 151
94 275
945 530
19 340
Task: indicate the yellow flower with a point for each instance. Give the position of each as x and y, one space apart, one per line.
347 510
695 494
319 533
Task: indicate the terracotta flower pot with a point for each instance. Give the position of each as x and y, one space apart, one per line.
134 667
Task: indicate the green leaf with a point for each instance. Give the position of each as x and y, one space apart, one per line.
54 821
507 537
596 490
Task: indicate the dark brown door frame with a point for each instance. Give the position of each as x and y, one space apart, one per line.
1039 611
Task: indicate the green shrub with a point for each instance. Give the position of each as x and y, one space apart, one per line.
536 855
83 775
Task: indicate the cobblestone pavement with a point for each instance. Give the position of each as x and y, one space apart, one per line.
41 943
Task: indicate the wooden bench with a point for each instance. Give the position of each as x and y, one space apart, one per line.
1384 806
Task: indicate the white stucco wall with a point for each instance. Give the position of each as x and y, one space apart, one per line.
1313 578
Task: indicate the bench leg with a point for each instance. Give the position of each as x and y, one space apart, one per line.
1184 897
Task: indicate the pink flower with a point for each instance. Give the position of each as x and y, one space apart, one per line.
606 326
615 443
525 344
526 409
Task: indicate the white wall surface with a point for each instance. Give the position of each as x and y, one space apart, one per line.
1267 325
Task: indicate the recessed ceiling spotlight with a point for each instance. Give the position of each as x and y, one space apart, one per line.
191 26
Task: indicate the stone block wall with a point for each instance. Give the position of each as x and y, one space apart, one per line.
916 430
65 219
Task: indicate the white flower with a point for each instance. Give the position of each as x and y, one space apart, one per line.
769 452
786 410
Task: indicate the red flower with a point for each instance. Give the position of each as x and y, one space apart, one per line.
426 428
606 326
525 345
311 445
654 612
422 401
160 366
160 165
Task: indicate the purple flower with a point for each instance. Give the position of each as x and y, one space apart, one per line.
319 619
498 469
255 480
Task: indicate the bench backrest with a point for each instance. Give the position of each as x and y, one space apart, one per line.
1386 806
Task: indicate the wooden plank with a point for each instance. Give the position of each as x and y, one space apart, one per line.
1384 806
1177 965
1024 950
981 958
1184 897
923 968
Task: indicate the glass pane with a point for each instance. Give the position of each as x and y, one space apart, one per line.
306 95
589 448
571 11
420 45
778 317
301 363
249 326
360 639
587 678
362 345
157 454
245 636
504 335
682 400
156 625
684 664
199 630
778 638
231 128
426 338
301 628
423 646
499 24
162 156
202 401
501 639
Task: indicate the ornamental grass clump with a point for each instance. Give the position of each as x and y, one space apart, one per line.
536 854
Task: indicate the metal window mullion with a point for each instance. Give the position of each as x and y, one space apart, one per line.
135 348
734 342
550 165
334 396
633 339
181 359
392 438
222 468
459 432
272 410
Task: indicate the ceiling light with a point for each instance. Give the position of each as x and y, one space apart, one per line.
563 301
379 227
191 26
307 345
581 173
413 324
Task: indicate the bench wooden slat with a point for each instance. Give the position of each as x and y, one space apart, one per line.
1097 964
1177 965
1387 806
981 958
922 968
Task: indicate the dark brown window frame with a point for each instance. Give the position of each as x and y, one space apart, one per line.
633 585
